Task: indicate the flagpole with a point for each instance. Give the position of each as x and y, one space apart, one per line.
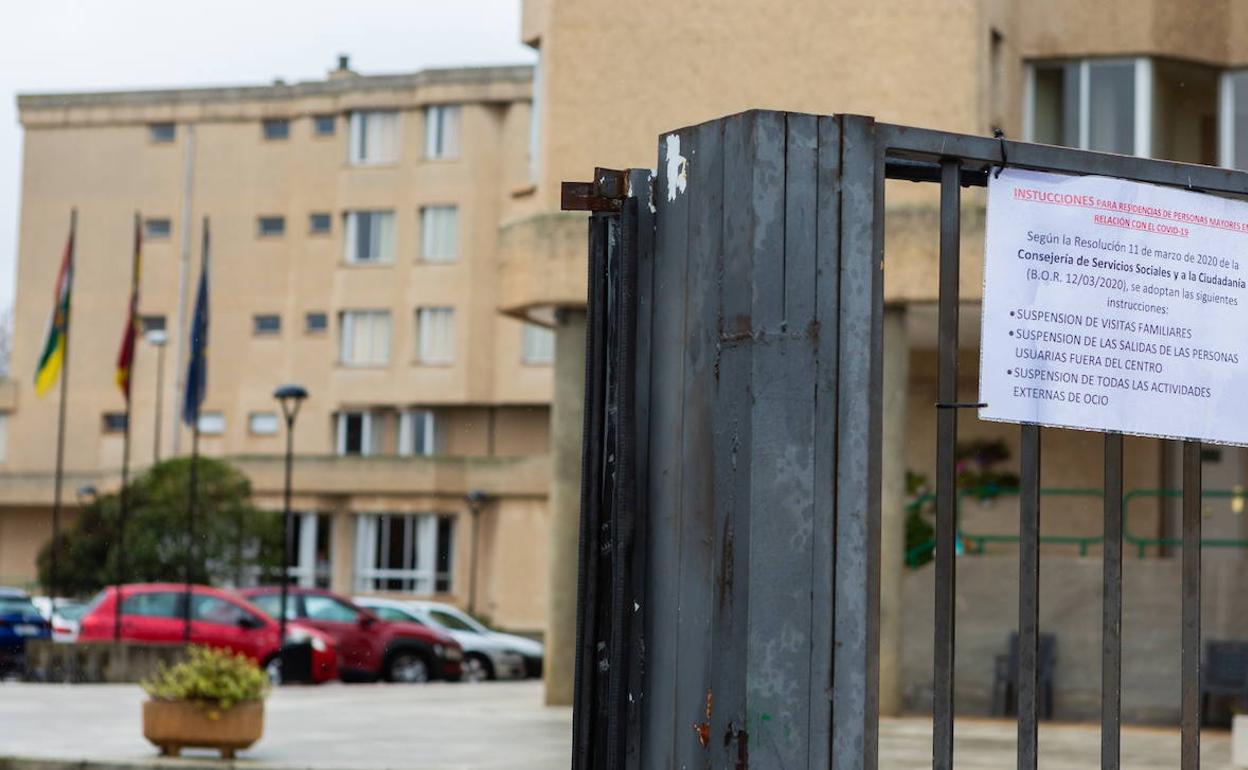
54 577
191 408
124 501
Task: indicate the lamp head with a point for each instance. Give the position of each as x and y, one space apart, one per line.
290 396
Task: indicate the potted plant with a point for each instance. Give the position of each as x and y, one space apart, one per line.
213 699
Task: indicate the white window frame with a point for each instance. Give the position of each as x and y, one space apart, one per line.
429 322
443 128
361 130
211 423
419 571
263 416
433 223
429 434
369 434
1226 118
537 344
1142 128
347 321
305 571
383 239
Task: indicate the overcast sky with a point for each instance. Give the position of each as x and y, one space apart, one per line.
86 45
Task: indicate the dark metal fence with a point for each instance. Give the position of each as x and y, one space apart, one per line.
729 573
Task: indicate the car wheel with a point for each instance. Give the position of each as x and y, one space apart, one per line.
408 667
273 670
477 669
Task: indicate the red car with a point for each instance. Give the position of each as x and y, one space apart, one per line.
155 612
369 648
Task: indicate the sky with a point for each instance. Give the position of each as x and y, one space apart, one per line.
103 45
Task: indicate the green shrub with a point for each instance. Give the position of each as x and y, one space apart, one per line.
216 679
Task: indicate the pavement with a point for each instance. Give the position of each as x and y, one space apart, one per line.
461 726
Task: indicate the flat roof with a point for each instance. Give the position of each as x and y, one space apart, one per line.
336 85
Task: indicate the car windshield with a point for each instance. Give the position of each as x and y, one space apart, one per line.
271 605
12 605
71 611
393 614
452 622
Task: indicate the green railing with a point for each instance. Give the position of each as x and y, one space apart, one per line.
976 542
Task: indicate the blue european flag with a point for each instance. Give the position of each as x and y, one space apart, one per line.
197 366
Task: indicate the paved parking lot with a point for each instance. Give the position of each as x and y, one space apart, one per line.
487 726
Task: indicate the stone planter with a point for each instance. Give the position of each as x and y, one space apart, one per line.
175 725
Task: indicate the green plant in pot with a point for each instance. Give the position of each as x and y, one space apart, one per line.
212 699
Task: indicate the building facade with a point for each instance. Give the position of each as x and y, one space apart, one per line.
353 247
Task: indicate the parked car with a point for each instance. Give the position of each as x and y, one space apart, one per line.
20 621
484 656
64 620
155 612
458 622
369 648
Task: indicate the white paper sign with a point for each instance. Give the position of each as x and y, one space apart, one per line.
1114 305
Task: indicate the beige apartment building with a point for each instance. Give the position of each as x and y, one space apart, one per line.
1145 77
353 241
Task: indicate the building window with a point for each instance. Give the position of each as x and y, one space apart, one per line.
161 132
324 125
537 344
435 335
374 137
365 339
442 131
370 237
313 565
315 323
1092 104
319 223
263 324
358 433
262 423
4 436
270 227
211 423
418 433
408 553
157 228
439 233
151 323
113 422
276 128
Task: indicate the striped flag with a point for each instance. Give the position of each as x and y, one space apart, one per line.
197 366
125 356
53 356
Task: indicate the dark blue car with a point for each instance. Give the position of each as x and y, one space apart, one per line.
19 621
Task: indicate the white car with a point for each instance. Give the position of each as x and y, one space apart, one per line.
488 654
65 620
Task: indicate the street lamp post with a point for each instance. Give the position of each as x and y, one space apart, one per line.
290 397
157 339
476 499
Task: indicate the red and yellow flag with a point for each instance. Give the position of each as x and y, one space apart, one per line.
125 357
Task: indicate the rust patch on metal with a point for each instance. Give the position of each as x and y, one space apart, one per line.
703 729
743 745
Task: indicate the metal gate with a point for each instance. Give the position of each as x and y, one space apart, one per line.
729 565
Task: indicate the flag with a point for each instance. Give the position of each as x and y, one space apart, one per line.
197 366
53 355
125 356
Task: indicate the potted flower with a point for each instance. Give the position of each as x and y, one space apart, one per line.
213 699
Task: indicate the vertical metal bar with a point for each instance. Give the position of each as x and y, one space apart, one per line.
1111 606
946 472
1028 596
855 679
1190 740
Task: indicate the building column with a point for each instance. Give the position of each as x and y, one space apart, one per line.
893 507
566 418
342 550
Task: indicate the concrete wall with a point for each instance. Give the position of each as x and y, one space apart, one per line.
1070 607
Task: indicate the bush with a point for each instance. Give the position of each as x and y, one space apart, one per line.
216 679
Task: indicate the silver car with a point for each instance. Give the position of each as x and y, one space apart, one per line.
487 654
